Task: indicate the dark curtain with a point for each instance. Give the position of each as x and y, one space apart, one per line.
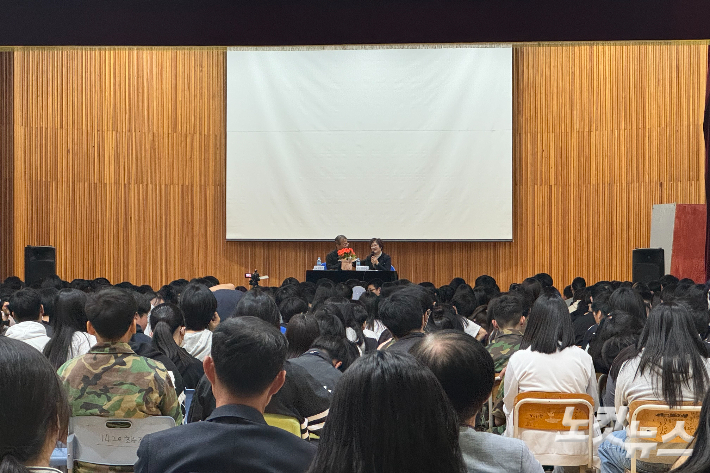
706 134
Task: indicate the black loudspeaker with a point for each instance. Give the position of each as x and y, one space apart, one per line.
40 263
648 264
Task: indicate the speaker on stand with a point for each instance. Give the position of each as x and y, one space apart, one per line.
648 264
40 263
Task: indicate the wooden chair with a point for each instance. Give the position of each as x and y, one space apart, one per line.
546 411
652 415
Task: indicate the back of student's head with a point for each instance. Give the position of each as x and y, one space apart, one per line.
532 289
165 319
444 317
549 325
34 405
25 305
69 317
506 310
47 295
248 353
401 312
696 298
336 348
463 367
670 344
111 312
199 305
286 292
291 306
389 413
343 290
628 300
301 331
257 303
328 322
446 293
545 279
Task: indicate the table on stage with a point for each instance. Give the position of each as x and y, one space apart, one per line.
342 276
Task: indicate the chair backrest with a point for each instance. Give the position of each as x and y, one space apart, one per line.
546 411
392 268
601 386
287 423
110 441
674 423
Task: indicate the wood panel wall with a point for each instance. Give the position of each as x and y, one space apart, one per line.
119 162
6 162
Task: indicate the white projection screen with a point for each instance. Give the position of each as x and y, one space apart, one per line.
399 144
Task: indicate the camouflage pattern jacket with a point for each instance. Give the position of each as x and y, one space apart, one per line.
506 342
112 381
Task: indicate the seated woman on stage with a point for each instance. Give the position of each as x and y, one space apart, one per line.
377 259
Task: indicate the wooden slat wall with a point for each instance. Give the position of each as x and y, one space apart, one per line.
119 163
6 162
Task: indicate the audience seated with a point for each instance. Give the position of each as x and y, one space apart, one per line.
26 309
245 370
168 323
301 332
699 460
506 312
33 412
111 380
69 338
199 305
403 314
466 371
143 304
389 414
301 396
669 363
323 360
548 361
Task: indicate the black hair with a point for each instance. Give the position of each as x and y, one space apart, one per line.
25 305
340 238
577 285
545 279
126 285
301 331
99 283
371 303
308 290
532 288
446 293
402 312
14 283
375 282
668 292
463 367
48 294
668 279
336 348
203 281
69 317
456 282
329 323
34 405
392 389
323 292
343 290
285 292
443 317
289 280
485 280
567 292
615 332
199 305
379 243
506 310
165 319
257 303
695 297
291 306
248 354
54 282
670 344
465 300
212 280
143 302
81 284
549 326
111 312
630 301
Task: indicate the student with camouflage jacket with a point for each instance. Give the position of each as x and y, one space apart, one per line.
111 380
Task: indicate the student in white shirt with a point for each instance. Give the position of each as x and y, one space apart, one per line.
26 308
549 361
69 338
669 363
